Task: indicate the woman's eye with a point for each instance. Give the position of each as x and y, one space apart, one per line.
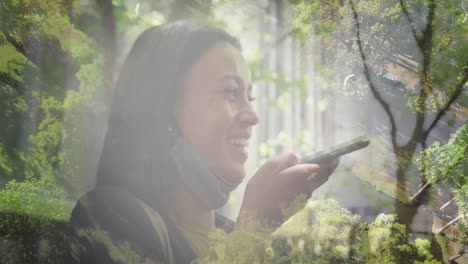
232 92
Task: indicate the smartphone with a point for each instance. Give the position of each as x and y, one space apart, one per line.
337 151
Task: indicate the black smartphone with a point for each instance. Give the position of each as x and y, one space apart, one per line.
338 150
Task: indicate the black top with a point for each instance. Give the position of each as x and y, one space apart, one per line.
108 225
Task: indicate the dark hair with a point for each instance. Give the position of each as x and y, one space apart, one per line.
136 150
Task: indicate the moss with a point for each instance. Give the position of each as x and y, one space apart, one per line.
442 241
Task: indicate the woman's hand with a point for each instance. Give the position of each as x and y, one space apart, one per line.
280 188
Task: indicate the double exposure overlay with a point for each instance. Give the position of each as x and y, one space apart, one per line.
112 93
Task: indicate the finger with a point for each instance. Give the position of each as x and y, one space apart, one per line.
282 162
326 169
329 167
317 180
295 178
301 170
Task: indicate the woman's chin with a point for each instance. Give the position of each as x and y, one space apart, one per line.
235 175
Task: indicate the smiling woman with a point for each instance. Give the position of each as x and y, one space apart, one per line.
214 111
175 148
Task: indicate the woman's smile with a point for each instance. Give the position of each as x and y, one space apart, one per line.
239 144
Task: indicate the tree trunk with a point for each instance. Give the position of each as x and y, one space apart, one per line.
108 45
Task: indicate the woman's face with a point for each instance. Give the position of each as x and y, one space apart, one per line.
214 110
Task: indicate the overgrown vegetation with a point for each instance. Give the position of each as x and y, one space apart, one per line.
55 68
323 232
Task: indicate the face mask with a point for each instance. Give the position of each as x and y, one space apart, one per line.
194 172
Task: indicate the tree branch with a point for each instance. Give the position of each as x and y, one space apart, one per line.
427 32
453 98
426 45
372 87
411 23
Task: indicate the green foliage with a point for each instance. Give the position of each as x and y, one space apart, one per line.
425 50
40 53
323 232
41 50
50 73
13 100
386 36
448 164
47 141
33 214
49 76
6 167
80 121
239 246
337 236
423 248
389 242
36 198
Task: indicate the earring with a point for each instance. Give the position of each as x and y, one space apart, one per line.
172 134
171 130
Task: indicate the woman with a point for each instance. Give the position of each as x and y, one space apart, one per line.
175 148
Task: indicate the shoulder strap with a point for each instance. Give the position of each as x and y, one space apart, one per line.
161 230
119 214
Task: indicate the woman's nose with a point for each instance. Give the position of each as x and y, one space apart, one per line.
249 116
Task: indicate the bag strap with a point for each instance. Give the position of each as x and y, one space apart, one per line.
123 218
161 230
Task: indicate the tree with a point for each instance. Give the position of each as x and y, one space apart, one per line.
58 57
44 52
41 69
447 164
368 37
